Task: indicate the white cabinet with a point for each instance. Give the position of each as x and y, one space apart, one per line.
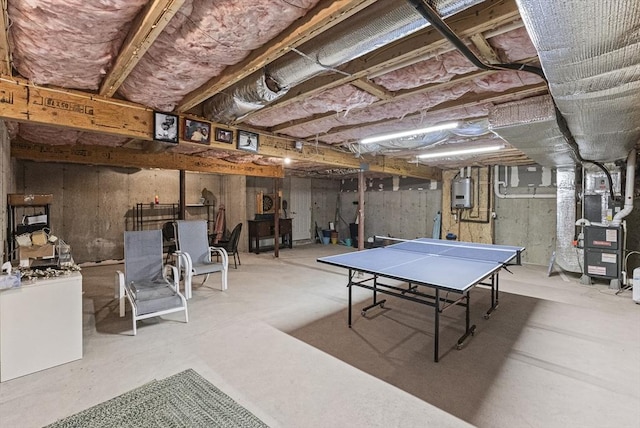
40 325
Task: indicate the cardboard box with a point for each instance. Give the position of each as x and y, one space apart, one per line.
20 199
47 251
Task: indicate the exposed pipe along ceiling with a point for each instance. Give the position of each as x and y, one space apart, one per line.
524 81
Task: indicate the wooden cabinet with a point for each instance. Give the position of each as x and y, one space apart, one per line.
40 325
265 229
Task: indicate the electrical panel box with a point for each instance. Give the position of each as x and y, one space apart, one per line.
462 193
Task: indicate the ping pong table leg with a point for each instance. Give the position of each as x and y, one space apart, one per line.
375 298
494 295
349 286
470 330
436 306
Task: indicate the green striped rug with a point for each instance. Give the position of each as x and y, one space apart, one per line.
183 400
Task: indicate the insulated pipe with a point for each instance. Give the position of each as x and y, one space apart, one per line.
496 189
628 190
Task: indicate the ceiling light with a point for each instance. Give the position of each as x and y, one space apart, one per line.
441 127
287 161
472 150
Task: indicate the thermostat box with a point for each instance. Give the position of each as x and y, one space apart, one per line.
462 193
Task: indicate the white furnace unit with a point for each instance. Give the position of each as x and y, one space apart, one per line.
462 193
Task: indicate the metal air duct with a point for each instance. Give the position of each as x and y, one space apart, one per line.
530 125
378 25
590 54
568 257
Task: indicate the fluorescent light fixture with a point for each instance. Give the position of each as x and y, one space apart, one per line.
441 127
469 151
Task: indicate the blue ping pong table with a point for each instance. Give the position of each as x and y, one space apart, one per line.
444 266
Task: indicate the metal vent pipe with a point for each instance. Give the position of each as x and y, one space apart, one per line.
378 25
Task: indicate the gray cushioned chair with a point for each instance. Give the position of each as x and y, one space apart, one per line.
195 255
151 288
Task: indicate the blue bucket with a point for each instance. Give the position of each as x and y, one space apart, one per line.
326 240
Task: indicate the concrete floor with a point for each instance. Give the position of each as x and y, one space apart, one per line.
555 353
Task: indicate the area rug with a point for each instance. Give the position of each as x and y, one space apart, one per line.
185 399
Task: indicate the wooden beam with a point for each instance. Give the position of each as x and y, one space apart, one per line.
150 23
324 154
485 49
118 156
324 16
25 102
373 89
76 110
5 50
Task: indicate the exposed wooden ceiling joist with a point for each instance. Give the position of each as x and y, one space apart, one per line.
486 51
144 32
5 51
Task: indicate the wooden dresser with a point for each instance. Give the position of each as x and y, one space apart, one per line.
265 229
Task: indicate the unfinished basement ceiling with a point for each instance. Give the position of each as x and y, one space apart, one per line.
329 73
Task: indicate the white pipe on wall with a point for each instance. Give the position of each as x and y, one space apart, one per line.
496 189
628 190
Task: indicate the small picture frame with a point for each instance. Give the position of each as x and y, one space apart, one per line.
196 131
224 135
165 127
248 141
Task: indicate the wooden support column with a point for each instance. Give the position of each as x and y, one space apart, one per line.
361 187
276 218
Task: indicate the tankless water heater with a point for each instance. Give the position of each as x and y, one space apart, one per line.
462 193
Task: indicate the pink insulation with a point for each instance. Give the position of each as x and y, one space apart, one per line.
48 134
342 98
442 68
479 110
201 40
68 43
64 136
434 70
92 138
514 46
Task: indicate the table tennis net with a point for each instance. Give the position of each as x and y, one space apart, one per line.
456 251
